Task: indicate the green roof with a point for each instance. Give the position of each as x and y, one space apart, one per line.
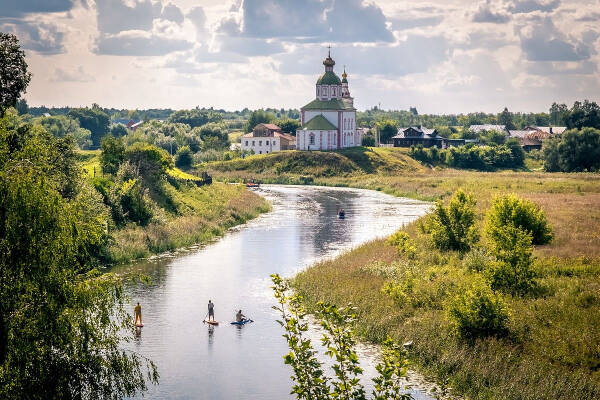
329 78
318 123
333 104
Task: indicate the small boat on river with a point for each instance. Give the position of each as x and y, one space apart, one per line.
242 322
252 184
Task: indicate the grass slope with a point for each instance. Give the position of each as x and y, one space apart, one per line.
187 214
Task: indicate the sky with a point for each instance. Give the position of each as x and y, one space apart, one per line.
440 56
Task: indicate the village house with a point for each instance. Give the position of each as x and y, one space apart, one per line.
417 135
488 127
267 138
329 121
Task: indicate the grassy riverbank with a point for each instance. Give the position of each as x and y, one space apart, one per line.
552 350
183 213
553 346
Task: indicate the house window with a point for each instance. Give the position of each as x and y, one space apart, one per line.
246 143
253 143
267 142
311 139
260 142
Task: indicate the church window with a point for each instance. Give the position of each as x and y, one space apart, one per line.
253 143
311 139
267 142
246 143
260 142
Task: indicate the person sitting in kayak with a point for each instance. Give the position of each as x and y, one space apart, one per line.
239 317
211 310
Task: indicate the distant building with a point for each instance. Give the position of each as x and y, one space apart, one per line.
488 127
329 121
551 130
267 138
416 135
529 144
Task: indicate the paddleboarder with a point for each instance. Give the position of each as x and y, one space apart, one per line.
138 314
211 310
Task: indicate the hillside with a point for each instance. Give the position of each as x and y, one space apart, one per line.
182 212
317 164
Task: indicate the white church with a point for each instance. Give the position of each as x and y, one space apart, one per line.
329 121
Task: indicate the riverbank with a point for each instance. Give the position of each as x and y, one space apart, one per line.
551 350
211 211
183 213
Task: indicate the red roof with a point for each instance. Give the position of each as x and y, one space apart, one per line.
272 127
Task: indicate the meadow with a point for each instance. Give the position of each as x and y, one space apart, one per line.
552 349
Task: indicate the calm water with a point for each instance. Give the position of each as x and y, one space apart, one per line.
196 361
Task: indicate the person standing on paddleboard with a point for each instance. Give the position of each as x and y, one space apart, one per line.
138 314
211 310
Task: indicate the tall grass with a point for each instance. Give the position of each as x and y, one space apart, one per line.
205 213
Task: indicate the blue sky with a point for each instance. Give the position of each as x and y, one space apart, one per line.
441 56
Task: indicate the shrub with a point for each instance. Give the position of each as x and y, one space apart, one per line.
184 158
403 243
113 154
521 213
453 227
476 311
512 271
135 202
574 150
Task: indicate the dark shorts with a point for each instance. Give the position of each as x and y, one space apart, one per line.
212 312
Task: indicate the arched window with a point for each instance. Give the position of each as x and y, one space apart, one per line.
318 91
311 139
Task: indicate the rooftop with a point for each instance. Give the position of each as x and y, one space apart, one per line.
318 123
333 104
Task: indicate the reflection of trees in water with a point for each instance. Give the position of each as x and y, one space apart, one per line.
323 228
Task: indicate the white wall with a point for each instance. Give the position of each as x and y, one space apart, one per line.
324 140
261 145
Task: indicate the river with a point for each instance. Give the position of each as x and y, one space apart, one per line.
196 361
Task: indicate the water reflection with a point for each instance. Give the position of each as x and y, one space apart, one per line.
246 361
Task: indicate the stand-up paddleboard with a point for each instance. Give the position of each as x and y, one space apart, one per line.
242 322
139 325
211 322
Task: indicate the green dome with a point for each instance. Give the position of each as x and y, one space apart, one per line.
329 78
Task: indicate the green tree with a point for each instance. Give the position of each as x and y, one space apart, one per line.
213 136
288 125
195 117
387 130
574 150
93 119
506 118
520 213
453 227
368 140
517 152
258 117
184 158
118 130
583 115
14 77
62 323
61 126
558 114
22 107
113 154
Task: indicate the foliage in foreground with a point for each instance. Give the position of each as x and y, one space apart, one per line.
62 323
338 338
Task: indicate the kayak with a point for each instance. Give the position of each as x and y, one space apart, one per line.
242 322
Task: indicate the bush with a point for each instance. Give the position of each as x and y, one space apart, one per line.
135 202
512 271
184 158
476 311
113 154
453 227
403 243
521 213
368 140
